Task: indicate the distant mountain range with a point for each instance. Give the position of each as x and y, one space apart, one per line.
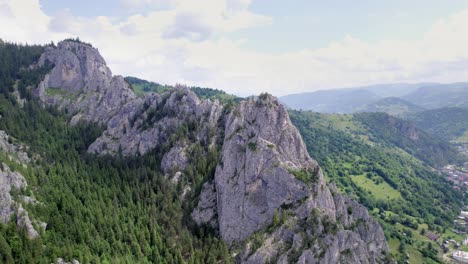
395 99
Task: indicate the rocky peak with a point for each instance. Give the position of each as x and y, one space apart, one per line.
81 83
265 172
260 150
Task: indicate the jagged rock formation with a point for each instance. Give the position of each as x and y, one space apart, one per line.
24 220
205 212
265 185
81 83
12 180
265 170
16 152
9 180
144 124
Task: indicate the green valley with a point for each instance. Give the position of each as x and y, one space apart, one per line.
372 157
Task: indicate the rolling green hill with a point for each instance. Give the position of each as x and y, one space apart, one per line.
373 158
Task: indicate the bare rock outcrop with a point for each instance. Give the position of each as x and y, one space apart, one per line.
81 83
62 261
206 211
267 186
15 152
268 198
150 122
9 181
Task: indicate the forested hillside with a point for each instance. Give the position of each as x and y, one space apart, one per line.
391 105
151 204
391 131
450 123
106 206
373 160
97 210
142 87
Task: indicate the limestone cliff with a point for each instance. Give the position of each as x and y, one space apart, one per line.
268 199
11 180
146 123
268 191
81 83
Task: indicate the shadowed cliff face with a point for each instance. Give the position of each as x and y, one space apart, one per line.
264 172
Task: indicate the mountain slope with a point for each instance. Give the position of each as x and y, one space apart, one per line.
381 98
405 135
403 193
392 106
124 182
143 87
447 123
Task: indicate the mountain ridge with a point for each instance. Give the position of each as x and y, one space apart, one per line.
422 95
247 134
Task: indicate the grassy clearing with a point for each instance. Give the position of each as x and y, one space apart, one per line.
55 91
379 191
142 89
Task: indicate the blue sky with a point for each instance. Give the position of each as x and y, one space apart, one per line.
314 24
250 46
306 23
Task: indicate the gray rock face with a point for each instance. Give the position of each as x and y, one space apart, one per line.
205 213
61 261
9 180
16 152
265 171
146 123
13 180
175 159
253 181
81 83
24 220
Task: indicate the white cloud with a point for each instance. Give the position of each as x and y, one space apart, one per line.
139 5
189 26
183 42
